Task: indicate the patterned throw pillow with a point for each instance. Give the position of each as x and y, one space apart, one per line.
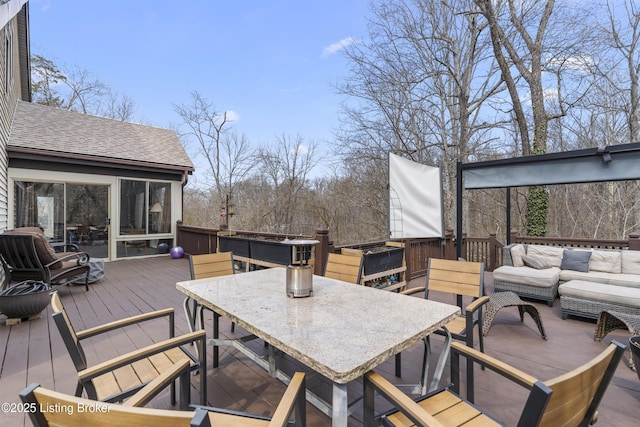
535 262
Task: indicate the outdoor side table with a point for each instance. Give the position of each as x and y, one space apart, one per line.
500 300
608 320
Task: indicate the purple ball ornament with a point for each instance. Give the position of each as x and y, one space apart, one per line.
177 252
163 248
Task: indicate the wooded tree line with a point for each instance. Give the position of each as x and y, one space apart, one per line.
439 83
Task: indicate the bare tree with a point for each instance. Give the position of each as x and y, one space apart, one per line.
285 168
77 90
418 88
624 38
229 156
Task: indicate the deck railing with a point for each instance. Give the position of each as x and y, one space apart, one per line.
199 240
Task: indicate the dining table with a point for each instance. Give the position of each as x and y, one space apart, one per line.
341 331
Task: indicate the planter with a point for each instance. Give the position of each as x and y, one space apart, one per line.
19 306
379 259
634 347
239 246
273 251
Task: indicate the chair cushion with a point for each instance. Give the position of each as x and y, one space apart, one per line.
575 260
527 276
45 251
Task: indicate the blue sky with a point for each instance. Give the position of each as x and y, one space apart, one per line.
272 63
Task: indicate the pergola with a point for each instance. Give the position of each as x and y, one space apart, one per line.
610 163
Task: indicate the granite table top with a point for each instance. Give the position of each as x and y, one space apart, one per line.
341 332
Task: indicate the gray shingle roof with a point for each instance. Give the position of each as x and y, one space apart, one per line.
69 134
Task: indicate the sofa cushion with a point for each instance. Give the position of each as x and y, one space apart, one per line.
628 280
606 261
517 252
527 276
552 255
535 262
575 260
631 262
601 292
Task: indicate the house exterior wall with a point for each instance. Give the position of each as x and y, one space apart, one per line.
13 48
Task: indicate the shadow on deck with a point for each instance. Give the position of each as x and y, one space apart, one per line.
32 351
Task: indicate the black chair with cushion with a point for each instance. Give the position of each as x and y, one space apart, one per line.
30 256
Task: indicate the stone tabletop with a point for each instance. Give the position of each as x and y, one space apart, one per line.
342 331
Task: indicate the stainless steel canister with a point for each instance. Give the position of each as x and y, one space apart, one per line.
299 281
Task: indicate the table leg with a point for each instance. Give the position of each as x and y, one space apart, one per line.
272 361
216 335
340 406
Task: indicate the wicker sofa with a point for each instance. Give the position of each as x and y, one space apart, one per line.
588 281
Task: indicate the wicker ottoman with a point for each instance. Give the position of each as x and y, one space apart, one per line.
610 320
500 300
588 299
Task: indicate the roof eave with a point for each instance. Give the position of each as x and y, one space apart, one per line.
15 152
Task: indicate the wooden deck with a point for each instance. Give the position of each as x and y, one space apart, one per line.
33 351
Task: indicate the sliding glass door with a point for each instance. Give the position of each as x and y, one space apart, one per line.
70 213
88 218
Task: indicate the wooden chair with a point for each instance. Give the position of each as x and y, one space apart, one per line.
201 267
568 400
347 268
460 279
30 256
38 399
118 378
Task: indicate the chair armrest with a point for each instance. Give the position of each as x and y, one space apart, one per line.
476 304
65 247
505 370
86 333
295 395
403 402
126 359
81 257
151 390
412 291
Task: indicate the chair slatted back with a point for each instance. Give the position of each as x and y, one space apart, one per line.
577 394
347 268
211 265
19 252
67 333
455 277
68 412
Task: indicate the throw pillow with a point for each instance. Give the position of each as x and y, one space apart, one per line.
535 262
517 252
575 260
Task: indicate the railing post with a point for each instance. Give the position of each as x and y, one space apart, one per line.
408 259
492 249
322 250
634 241
513 236
449 245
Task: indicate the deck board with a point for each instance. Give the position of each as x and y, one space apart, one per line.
33 351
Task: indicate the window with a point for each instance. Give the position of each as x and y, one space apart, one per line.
145 207
40 204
